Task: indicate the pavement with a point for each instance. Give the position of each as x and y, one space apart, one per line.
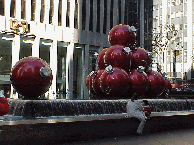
171 137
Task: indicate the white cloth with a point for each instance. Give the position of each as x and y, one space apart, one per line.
135 109
1 95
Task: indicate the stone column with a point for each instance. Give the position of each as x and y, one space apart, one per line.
69 71
86 71
18 9
46 14
115 12
164 13
28 10
15 58
38 8
122 11
189 38
53 65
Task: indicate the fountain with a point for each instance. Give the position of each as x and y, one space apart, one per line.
30 120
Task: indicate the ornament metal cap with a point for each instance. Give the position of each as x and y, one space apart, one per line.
109 69
93 74
150 55
141 69
132 29
45 71
126 50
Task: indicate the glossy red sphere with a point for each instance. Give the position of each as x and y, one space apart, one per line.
140 57
89 82
4 106
115 83
100 59
121 35
156 84
168 87
138 82
96 83
31 77
117 56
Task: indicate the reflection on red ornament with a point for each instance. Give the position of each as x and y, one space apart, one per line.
138 82
100 59
114 81
89 81
140 58
31 77
96 83
156 84
168 87
122 35
118 56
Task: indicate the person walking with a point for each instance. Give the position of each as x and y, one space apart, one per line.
135 109
4 106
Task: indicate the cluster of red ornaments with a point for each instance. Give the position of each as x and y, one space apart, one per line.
124 68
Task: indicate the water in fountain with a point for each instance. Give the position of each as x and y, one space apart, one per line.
46 108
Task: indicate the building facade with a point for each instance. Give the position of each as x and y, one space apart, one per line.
173 38
66 34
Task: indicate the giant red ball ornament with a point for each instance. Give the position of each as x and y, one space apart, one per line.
156 84
118 56
168 87
138 82
140 58
100 59
89 82
122 35
31 77
96 83
114 81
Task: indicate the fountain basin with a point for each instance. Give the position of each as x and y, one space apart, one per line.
47 108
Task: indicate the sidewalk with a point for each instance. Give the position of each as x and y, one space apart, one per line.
171 137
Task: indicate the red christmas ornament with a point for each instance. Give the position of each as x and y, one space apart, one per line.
122 35
100 59
96 83
114 81
118 56
168 87
138 82
156 84
89 82
31 77
4 106
140 58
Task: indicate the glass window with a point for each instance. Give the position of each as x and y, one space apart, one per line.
105 17
111 15
60 13
68 14
61 72
76 15
2 7
5 67
12 9
84 15
98 16
33 8
51 11
42 11
91 16
23 9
